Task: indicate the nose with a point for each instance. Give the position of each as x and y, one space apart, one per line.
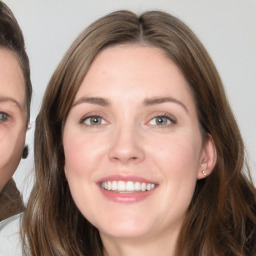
126 146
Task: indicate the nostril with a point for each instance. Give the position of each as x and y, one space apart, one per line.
133 158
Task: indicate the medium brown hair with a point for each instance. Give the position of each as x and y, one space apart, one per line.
221 217
11 38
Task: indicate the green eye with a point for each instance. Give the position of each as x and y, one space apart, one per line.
94 120
160 121
3 117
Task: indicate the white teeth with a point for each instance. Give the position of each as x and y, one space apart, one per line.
127 186
120 186
109 185
137 186
114 185
143 186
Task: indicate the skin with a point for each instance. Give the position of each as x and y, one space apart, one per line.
13 123
128 141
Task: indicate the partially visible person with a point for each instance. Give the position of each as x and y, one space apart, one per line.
137 151
15 98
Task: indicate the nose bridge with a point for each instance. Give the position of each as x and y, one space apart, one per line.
126 144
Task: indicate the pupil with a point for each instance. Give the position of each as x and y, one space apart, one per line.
161 120
3 116
95 120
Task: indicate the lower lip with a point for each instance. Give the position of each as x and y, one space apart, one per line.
126 198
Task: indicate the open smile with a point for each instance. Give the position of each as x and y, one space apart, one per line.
127 186
126 189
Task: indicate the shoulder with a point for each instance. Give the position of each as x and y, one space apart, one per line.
9 236
10 201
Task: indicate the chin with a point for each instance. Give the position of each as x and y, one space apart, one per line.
124 233
125 228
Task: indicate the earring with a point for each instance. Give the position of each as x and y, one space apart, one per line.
25 152
204 172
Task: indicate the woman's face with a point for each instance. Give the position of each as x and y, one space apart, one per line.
12 114
132 144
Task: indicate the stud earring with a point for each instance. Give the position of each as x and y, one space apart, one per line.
204 172
25 152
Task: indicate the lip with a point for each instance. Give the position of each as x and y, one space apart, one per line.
125 198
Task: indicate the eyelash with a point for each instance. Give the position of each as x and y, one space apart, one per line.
4 117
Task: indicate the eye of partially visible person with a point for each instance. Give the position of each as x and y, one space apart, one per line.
3 117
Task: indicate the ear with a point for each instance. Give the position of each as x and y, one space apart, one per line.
208 158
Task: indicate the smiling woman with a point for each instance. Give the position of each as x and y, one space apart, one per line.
124 157
136 149
15 97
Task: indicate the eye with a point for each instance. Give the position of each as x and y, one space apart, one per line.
94 120
161 121
3 117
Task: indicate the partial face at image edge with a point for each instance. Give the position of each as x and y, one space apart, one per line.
13 117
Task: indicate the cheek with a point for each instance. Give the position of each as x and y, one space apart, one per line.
11 144
11 147
177 154
82 153
81 161
177 159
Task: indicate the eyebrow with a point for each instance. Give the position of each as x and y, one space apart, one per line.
92 100
8 99
147 102
160 100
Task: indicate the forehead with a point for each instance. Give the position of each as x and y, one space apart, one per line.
12 83
133 69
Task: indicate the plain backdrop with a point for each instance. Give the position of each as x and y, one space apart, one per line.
227 28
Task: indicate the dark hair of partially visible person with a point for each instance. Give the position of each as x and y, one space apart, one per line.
221 217
11 37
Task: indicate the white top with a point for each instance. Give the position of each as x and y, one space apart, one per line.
10 244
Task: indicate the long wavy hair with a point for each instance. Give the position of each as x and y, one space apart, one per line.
221 217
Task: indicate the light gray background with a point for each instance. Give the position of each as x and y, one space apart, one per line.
226 27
